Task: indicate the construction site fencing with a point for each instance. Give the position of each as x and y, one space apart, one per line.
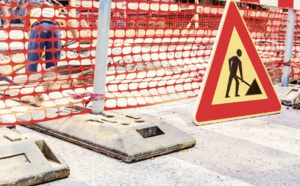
158 52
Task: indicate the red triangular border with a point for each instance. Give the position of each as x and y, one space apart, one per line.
205 112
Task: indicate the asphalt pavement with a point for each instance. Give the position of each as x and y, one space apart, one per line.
263 150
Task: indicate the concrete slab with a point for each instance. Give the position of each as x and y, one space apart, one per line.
123 136
291 97
287 95
28 161
282 91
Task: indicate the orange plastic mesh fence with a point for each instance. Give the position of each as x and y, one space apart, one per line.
158 52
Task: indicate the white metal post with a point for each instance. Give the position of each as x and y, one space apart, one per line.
288 48
101 56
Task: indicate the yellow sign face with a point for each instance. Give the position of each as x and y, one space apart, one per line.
230 76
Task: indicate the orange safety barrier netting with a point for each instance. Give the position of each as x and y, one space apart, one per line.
158 52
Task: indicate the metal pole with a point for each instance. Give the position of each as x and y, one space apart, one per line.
288 48
101 56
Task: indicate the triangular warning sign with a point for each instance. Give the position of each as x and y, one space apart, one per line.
236 84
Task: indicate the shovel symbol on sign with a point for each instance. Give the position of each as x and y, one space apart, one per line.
253 88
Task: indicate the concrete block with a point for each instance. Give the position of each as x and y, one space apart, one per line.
296 103
287 95
126 137
26 161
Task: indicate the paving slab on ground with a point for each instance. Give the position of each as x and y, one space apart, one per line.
263 150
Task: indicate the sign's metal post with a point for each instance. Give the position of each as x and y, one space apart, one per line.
288 48
101 56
